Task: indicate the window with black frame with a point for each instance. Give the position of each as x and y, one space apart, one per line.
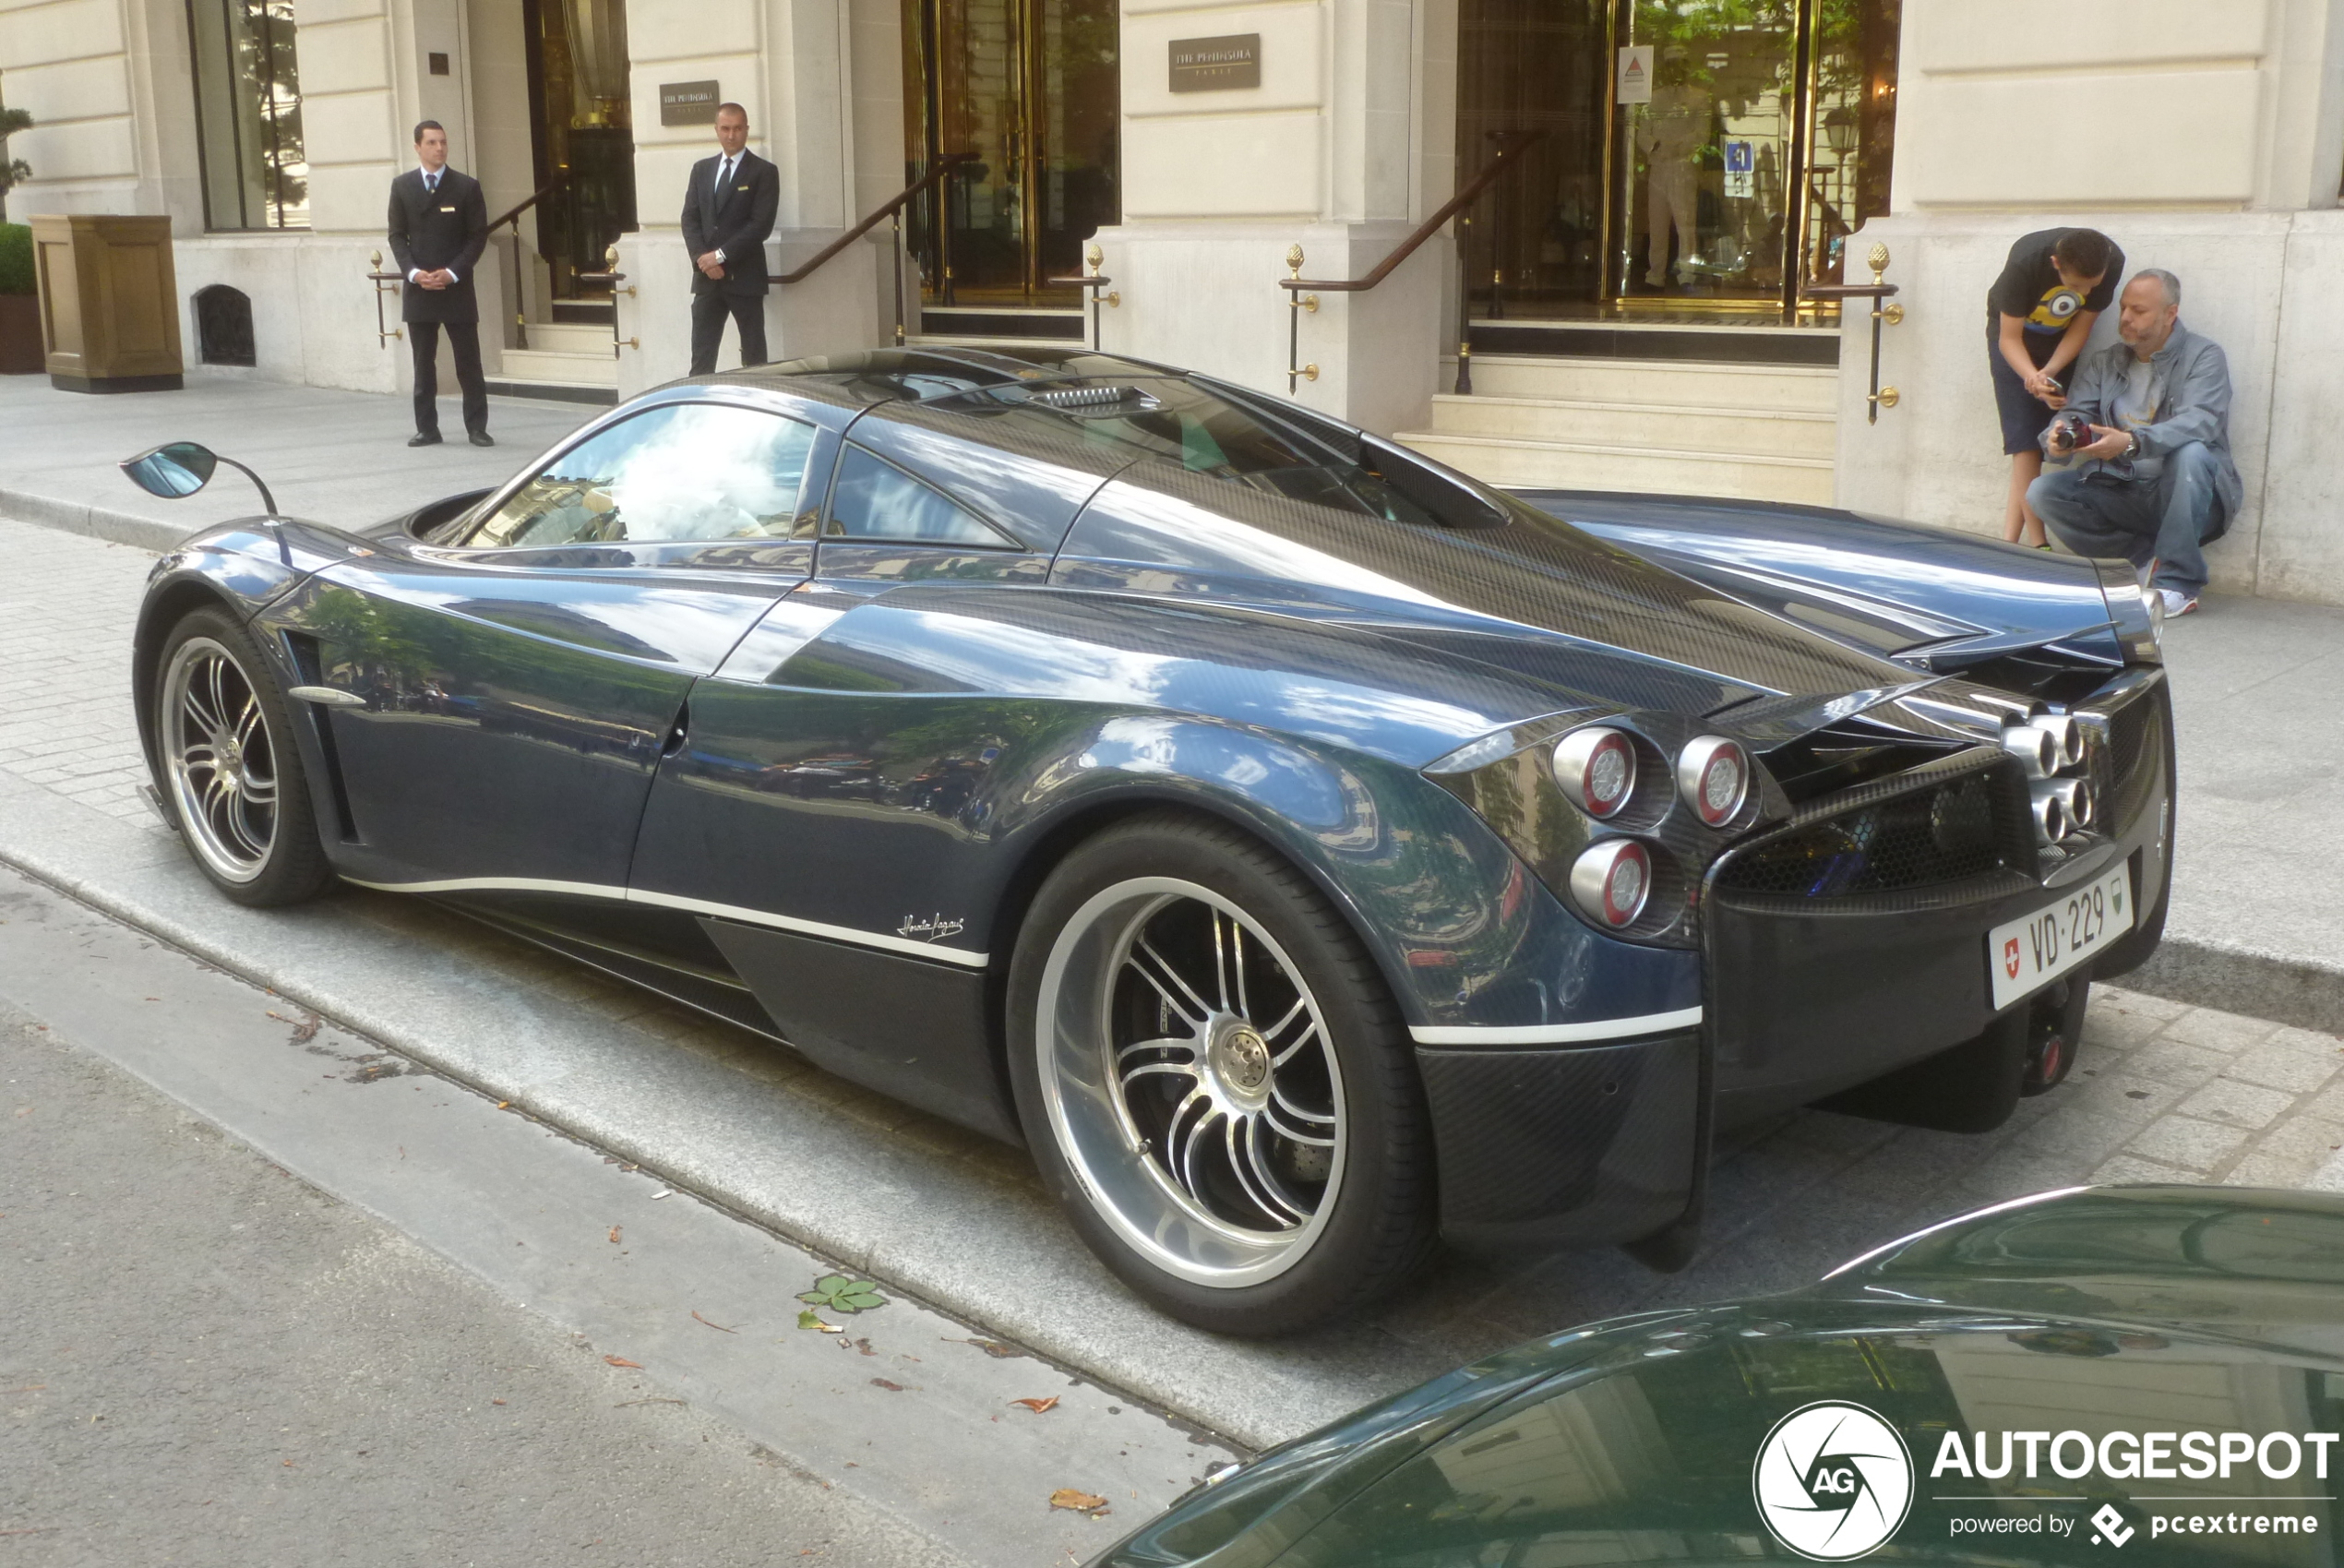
249 115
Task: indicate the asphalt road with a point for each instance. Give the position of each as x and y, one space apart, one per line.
211 1361
357 1313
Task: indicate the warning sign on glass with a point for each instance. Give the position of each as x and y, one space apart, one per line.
1635 74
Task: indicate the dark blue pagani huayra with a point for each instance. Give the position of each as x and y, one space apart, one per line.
1305 851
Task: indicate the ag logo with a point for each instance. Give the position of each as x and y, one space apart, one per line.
1832 1481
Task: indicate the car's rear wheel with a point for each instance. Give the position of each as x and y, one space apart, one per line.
1214 1082
227 769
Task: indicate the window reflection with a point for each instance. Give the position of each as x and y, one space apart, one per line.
686 471
874 499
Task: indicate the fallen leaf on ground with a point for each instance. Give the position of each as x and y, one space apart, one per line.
992 1348
623 1361
890 1387
841 1294
864 1345
614 1236
697 1317
1079 1501
1039 1406
808 1320
496 1402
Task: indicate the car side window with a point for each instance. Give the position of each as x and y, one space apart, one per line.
872 499
682 471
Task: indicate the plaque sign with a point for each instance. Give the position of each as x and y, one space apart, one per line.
1216 64
690 102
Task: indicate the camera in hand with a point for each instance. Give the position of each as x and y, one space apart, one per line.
2070 430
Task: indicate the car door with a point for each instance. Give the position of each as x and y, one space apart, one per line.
819 799
503 701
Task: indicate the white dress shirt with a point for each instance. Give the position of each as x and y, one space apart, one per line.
726 164
431 187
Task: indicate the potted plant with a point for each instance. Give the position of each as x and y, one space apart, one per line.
21 351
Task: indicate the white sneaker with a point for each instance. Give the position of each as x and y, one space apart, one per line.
2176 602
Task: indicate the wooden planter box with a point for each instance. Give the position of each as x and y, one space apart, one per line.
20 335
109 303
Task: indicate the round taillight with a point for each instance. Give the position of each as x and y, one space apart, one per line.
1713 774
1613 881
1596 768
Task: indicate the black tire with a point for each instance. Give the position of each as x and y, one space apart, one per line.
1371 1222
261 858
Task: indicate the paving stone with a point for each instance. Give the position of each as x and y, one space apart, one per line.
2291 1153
2194 1145
2218 1031
2142 1003
2238 1104
2132 1167
2171 1061
2293 1068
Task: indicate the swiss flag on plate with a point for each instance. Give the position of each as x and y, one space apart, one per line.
2010 957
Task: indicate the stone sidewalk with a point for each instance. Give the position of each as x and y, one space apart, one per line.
2163 1091
2257 924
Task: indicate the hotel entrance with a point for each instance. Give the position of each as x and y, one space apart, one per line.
582 145
1702 160
1029 88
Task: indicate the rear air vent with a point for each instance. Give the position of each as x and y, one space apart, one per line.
1098 401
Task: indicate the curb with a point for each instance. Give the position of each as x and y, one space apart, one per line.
2303 992
93 522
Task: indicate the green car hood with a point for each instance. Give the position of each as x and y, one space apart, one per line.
1867 1415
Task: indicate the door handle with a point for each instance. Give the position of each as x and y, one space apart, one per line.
676 732
325 696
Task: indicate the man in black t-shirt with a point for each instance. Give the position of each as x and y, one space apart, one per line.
2038 314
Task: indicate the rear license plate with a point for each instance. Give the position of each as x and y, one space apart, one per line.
2026 954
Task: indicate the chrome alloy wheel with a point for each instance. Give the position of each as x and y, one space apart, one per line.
1190 1081
220 758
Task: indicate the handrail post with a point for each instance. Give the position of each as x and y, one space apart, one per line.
1093 281
611 274
895 230
1884 314
520 312
1465 305
1296 302
385 283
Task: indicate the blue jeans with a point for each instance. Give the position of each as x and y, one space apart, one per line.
2166 519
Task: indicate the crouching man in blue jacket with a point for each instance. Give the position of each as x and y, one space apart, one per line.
2146 447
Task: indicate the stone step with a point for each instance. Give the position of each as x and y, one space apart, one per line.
558 368
1706 384
569 337
1517 463
1798 433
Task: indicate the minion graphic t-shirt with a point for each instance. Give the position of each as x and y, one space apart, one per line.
2029 286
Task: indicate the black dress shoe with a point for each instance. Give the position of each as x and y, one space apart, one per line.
423 438
482 439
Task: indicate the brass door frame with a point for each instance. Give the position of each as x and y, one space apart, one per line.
1028 71
1798 181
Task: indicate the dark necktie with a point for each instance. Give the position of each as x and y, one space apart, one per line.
723 182
431 184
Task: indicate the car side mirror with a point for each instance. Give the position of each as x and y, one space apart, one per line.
180 469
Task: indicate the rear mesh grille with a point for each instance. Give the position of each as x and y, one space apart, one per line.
2135 739
1947 831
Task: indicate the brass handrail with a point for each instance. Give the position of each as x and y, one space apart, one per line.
385 283
611 274
1511 144
533 199
1425 230
945 164
1882 313
520 312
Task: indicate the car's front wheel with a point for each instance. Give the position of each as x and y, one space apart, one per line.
227 769
1214 1082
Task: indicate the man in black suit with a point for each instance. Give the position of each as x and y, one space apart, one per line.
438 228
728 210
